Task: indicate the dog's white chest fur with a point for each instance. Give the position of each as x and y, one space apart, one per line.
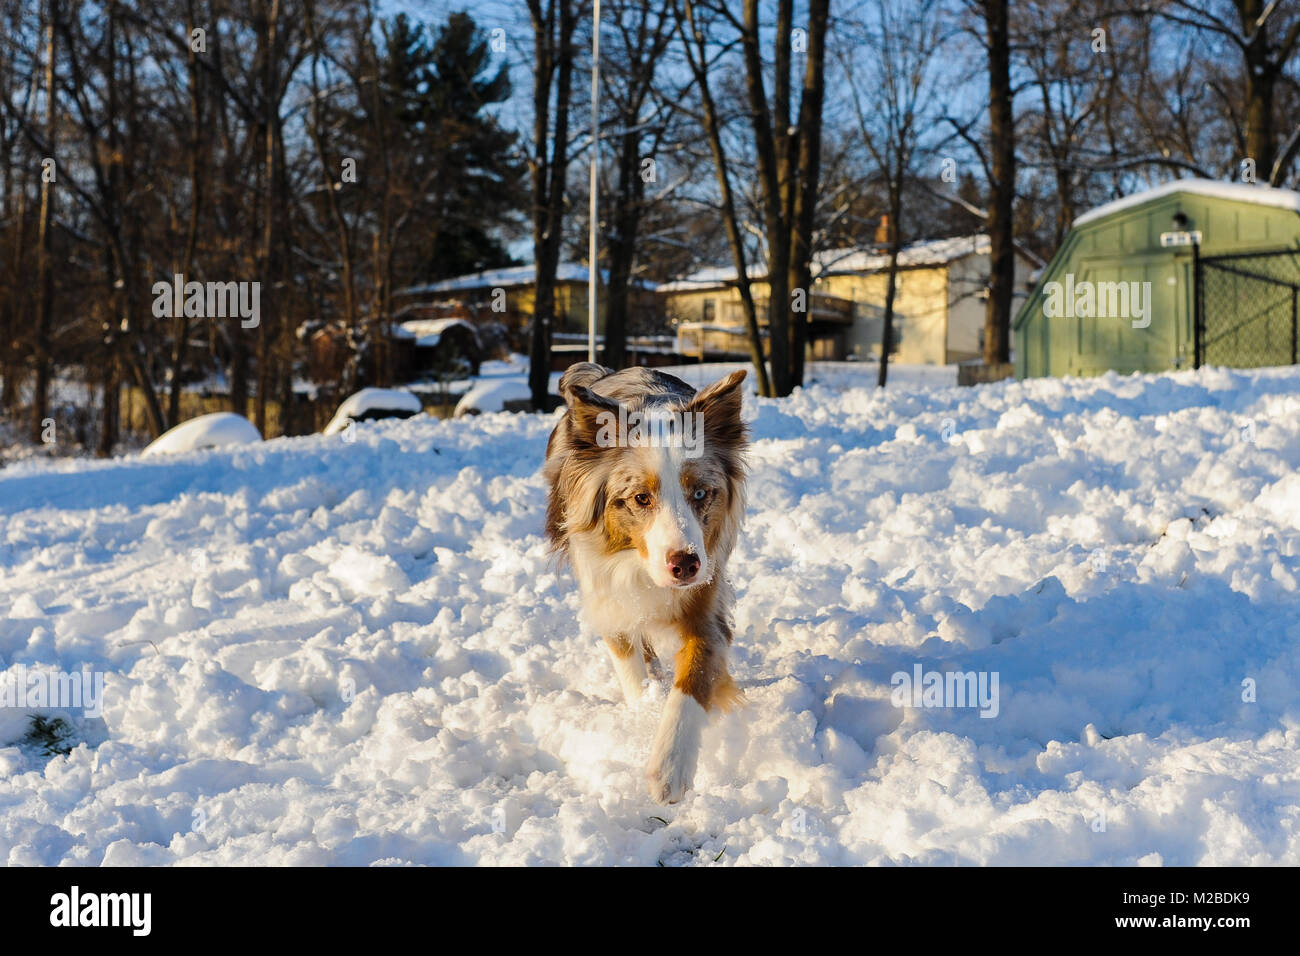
618 597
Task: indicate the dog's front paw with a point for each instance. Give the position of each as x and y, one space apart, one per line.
671 770
668 780
633 691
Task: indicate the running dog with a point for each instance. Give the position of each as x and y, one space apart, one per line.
647 495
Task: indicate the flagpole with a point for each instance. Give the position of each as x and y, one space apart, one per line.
593 270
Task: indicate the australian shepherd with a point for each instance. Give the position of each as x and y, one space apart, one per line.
647 494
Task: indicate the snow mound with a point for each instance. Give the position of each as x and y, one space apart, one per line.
491 395
374 403
207 431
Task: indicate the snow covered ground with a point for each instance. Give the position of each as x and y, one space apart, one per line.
325 652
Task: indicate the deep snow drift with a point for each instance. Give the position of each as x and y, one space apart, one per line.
327 652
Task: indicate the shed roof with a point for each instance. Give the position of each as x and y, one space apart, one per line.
1237 192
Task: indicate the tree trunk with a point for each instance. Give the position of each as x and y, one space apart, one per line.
810 157
153 408
45 239
774 175
997 315
13 308
109 409
553 60
895 239
273 222
1262 72
622 248
181 324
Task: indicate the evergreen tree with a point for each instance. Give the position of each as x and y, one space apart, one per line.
440 89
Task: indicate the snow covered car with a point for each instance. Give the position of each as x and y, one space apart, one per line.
218 430
370 404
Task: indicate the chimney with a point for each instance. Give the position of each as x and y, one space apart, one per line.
882 231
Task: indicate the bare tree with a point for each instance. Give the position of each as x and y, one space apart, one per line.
904 38
642 31
787 149
696 46
1265 42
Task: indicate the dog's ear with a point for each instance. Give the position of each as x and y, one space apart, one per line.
590 413
720 403
585 406
581 375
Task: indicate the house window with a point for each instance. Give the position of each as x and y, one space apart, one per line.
710 310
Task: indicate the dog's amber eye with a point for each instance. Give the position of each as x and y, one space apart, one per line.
643 500
701 494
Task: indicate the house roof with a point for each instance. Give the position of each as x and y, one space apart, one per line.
850 261
926 252
1238 192
508 278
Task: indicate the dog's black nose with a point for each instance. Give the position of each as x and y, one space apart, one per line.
683 565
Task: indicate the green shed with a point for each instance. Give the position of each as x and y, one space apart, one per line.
1128 285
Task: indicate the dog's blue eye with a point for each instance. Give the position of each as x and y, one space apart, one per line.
700 494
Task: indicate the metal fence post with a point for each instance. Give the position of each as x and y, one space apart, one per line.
1197 305
1294 330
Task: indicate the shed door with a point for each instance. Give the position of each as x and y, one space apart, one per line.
1126 314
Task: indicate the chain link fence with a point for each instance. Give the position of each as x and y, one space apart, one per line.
1246 309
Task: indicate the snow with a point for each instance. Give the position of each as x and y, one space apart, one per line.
491 395
371 400
1239 192
428 332
834 375
206 431
330 652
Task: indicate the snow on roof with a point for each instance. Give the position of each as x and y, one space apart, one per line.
361 403
207 431
710 327
508 278
706 278
428 332
1239 192
925 252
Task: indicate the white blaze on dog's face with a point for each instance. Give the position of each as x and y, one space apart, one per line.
661 503
674 544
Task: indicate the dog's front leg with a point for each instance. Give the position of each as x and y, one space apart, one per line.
700 676
629 665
